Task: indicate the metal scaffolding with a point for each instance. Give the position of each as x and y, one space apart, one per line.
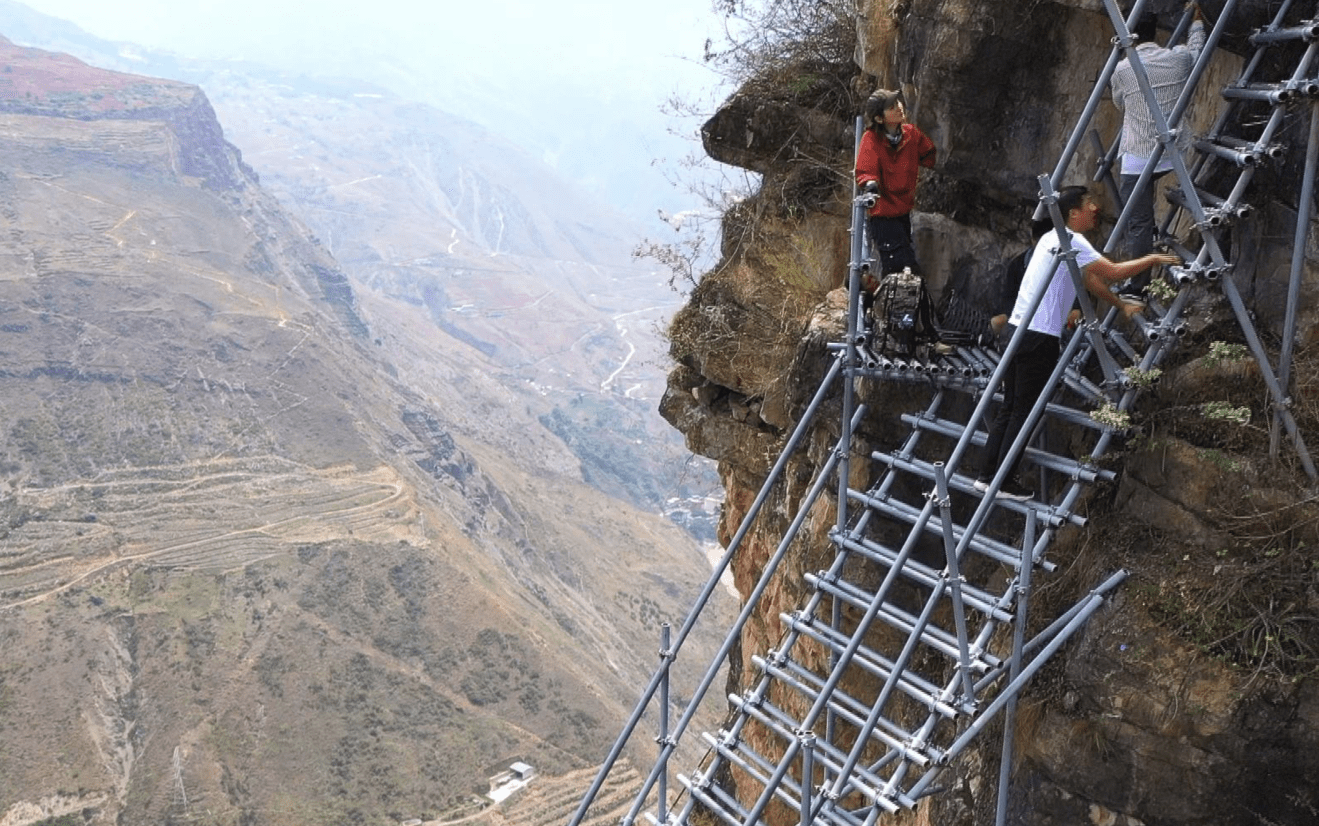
905 652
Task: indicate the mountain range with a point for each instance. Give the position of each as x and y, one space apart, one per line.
332 475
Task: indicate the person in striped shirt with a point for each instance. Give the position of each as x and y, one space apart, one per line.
1168 70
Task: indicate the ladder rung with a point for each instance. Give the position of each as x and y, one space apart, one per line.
912 684
1307 31
756 766
1241 156
714 799
861 709
1052 461
982 601
992 548
1276 151
896 740
756 712
765 711
893 616
981 660
1047 515
1275 93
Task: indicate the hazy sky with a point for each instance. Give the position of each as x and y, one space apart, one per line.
630 38
574 60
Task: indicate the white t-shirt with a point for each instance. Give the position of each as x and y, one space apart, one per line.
1061 294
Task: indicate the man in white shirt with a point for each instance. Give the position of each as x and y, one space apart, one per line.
1167 70
1028 372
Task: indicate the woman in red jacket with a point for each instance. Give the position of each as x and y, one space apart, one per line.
891 154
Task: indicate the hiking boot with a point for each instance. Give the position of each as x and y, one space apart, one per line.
1015 491
942 348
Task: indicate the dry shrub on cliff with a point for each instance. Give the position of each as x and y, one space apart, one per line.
1255 601
762 36
740 313
1243 587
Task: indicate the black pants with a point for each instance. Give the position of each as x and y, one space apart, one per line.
1027 376
892 240
1139 235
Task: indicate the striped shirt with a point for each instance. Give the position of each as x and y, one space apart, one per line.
1168 70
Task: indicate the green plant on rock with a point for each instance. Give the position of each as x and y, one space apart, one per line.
1161 289
1221 353
1143 379
1222 411
1220 460
1110 417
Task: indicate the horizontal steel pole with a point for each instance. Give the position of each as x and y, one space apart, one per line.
1046 514
1240 157
896 740
1273 150
1054 462
982 601
766 712
706 795
1307 32
1268 93
992 548
932 635
913 685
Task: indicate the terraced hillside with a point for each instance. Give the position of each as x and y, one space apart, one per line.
549 801
209 517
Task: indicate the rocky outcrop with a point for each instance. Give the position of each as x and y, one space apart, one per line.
1188 701
40 83
62 113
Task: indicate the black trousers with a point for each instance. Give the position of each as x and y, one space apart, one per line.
1027 376
892 240
1139 235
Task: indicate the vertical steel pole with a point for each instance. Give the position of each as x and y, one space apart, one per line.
662 783
1014 669
856 270
807 740
851 358
953 576
1304 208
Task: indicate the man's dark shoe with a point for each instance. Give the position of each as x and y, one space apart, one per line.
1016 491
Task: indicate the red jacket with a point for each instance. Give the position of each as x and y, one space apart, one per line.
894 168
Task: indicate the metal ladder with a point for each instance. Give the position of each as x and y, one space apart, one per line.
914 639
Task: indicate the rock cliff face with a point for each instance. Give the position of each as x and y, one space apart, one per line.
1191 700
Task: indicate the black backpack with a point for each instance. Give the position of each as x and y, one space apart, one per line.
903 314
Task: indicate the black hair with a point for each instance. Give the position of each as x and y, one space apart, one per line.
1146 27
879 103
1070 198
